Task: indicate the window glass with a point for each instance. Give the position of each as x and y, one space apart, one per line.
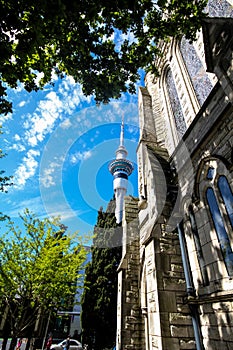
200 80
220 230
227 196
175 104
210 173
219 8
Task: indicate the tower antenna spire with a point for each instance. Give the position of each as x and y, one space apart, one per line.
120 168
122 131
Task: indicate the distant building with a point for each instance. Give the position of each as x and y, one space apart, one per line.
175 283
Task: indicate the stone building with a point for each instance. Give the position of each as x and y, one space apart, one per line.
175 284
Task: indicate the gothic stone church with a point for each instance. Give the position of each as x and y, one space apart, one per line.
175 288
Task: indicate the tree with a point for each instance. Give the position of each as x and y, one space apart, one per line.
39 270
99 300
102 44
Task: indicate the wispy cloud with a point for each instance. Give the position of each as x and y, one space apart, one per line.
55 106
4 118
66 124
27 168
47 178
34 204
79 156
42 121
66 213
17 147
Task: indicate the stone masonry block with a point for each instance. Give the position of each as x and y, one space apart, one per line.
180 319
167 301
179 332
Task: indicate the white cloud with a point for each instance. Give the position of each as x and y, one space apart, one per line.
66 124
39 76
4 118
74 158
42 121
22 103
47 177
54 107
72 94
19 88
27 169
17 137
18 147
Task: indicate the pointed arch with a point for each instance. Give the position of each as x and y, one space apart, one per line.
213 189
215 161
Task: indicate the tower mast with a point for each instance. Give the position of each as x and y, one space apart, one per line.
120 168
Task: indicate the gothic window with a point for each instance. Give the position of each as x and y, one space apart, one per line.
219 8
175 105
214 190
200 80
227 196
220 229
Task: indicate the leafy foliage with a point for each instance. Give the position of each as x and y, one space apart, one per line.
102 44
39 269
99 302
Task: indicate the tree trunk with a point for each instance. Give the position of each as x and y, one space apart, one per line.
4 343
13 343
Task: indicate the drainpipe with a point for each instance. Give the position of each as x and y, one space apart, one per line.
189 287
184 256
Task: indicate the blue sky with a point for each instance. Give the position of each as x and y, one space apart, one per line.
58 145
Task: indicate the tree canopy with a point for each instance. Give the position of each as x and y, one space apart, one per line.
102 44
99 301
40 270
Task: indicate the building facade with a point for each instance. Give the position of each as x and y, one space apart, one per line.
175 283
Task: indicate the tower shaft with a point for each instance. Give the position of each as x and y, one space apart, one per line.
120 168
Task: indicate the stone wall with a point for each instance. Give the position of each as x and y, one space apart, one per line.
131 326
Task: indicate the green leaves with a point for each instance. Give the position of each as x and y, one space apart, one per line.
85 39
40 267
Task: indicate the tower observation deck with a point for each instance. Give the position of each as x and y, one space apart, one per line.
120 168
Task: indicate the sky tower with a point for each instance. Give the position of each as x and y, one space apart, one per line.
120 168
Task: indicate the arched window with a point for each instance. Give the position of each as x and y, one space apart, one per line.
220 8
227 196
175 104
199 78
220 230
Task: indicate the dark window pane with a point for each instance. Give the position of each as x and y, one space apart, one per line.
210 173
220 230
227 196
